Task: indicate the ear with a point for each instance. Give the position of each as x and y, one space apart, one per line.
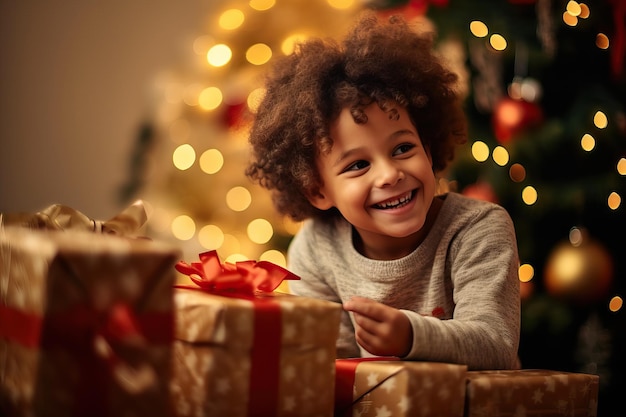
320 201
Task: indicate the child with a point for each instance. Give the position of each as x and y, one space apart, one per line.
350 137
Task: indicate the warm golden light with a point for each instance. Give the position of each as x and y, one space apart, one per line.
500 156
616 304
291 226
184 156
258 54
569 20
261 5
219 55
526 272
260 231
289 44
478 29
275 257
517 172
584 11
587 142
602 41
340 4
600 120
235 257
480 151
254 99
573 8
210 98
614 201
183 227
211 237
529 195
211 161
238 198
621 166
231 19
497 42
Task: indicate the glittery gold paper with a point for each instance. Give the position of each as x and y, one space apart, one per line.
408 389
45 275
212 355
531 392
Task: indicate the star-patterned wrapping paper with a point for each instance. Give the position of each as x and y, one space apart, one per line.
215 341
86 324
531 393
385 388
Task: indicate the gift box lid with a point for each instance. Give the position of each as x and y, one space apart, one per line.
81 265
208 318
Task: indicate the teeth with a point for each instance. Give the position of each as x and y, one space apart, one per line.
395 203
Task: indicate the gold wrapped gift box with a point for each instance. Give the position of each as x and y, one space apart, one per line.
531 393
257 355
86 324
382 387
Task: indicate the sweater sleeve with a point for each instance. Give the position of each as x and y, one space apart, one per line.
484 330
317 281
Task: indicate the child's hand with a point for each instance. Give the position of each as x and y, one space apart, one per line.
380 329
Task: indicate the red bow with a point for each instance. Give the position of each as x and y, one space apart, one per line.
243 277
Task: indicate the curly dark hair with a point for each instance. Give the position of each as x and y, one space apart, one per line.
386 62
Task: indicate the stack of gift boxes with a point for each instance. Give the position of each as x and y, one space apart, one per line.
99 324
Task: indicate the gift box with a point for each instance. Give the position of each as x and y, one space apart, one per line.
531 392
390 387
239 351
86 324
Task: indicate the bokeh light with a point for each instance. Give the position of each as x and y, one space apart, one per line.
184 156
497 42
211 237
274 256
621 166
587 142
517 172
478 29
500 156
260 231
258 54
261 5
529 195
480 151
219 55
211 161
238 198
600 120
340 4
526 272
614 201
183 227
210 98
616 304
231 19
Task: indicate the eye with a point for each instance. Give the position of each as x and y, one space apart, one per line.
356 166
402 149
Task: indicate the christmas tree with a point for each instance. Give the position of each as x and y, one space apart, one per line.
545 93
546 104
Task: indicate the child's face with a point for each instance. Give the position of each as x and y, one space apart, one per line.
377 174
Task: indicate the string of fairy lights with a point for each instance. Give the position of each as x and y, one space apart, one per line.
511 115
248 227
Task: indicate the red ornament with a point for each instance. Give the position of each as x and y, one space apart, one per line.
481 190
511 117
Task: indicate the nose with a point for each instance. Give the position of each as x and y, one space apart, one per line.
388 173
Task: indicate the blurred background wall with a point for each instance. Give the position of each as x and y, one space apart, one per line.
76 79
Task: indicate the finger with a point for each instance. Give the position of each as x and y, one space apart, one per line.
366 323
366 307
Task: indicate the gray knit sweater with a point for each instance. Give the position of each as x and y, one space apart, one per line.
459 288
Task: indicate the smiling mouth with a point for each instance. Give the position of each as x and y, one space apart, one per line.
396 202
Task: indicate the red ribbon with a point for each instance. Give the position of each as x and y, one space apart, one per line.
76 331
345 374
243 280
245 277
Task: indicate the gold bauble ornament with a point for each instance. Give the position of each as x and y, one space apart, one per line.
580 272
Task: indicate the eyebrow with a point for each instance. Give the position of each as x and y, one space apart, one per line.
348 153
